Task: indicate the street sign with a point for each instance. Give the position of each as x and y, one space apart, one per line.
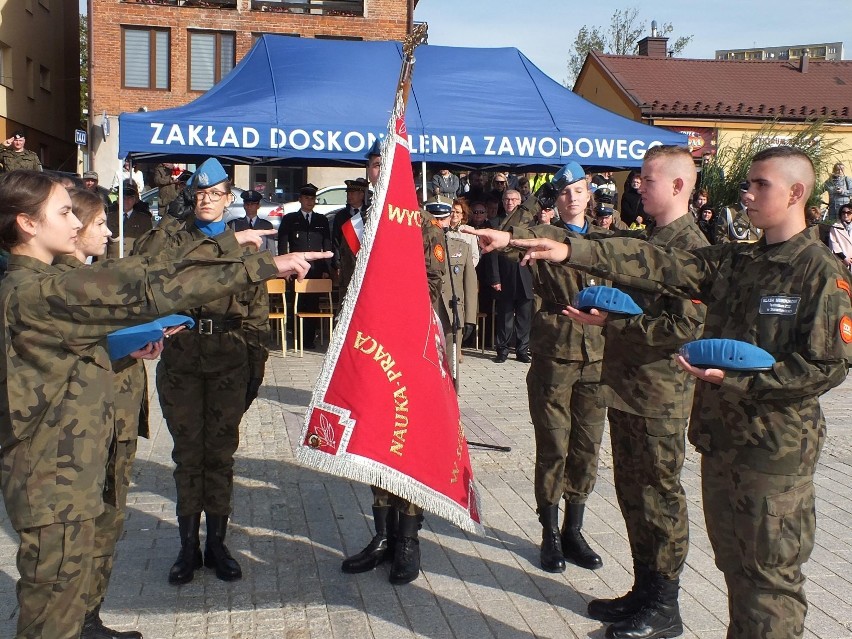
80 137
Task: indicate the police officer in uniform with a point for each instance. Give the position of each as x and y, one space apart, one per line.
459 296
760 432
396 520
251 203
206 379
14 156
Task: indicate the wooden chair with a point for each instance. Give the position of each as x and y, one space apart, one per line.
278 311
326 312
479 337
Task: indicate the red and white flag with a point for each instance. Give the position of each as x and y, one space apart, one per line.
353 231
384 410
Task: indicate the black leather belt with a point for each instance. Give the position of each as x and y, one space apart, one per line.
209 325
551 307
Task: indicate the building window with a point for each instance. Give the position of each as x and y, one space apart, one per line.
255 36
6 65
145 63
30 79
212 55
337 37
44 78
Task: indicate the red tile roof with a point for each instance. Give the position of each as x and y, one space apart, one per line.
733 89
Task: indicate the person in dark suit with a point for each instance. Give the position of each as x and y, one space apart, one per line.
251 203
305 230
356 193
513 285
137 221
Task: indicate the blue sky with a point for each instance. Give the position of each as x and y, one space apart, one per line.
544 30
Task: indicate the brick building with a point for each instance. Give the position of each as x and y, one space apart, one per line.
158 54
40 77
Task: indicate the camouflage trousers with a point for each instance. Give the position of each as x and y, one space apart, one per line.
110 523
568 428
762 530
647 456
55 565
203 414
382 498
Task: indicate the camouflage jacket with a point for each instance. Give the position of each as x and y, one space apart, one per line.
56 380
12 160
791 299
640 375
189 351
553 335
130 384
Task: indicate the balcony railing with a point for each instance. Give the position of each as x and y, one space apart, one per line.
349 8
215 4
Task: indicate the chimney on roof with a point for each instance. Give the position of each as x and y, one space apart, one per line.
803 62
653 46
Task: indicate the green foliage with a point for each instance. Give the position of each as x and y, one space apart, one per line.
620 38
722 174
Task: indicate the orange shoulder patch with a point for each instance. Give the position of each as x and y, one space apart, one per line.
843 285
846 329
439 252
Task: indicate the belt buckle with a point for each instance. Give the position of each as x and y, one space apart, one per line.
205 326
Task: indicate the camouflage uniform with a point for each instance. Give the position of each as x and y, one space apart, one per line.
57 396
11 160
202 381
649 398
130 410
760 433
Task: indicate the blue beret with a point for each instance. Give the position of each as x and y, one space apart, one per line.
568 174
210 173
126 340
727 353
606 298
376 149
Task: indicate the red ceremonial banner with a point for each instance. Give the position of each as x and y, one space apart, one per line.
384 410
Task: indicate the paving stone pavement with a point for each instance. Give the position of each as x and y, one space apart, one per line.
292 526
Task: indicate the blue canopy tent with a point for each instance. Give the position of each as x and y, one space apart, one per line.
323 102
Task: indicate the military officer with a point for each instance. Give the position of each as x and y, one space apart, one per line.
137 220
356 193
57 390
14 156
459 287
206 379
760 432
733 223
306 230
396 520
251 203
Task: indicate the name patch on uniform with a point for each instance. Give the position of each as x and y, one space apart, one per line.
843 285
846 329
779 304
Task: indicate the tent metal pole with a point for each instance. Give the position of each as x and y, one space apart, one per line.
423 194
121 207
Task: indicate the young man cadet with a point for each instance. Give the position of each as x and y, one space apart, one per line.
760 432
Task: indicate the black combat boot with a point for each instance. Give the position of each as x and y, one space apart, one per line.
94 628
189 558
216 554
574 545
406 553
380 548
624 607
551 557
658 618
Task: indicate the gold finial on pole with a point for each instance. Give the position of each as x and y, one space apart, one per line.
411 42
